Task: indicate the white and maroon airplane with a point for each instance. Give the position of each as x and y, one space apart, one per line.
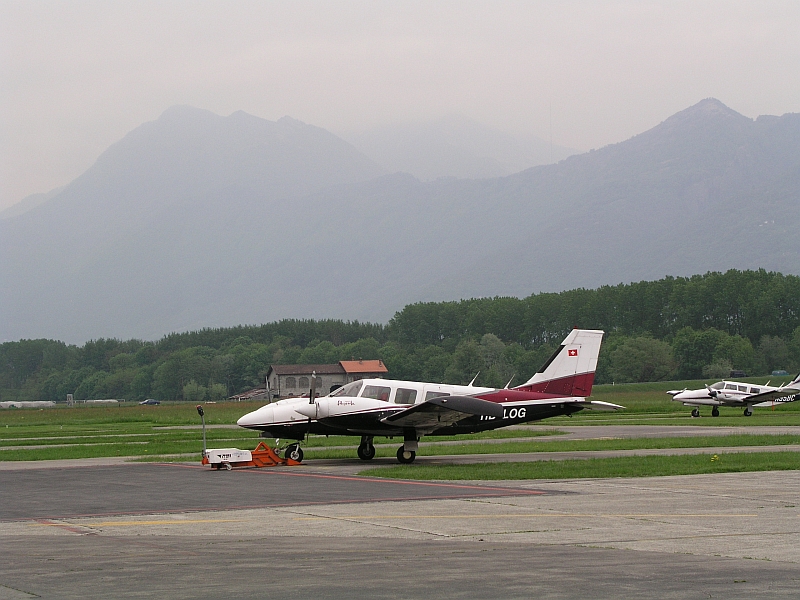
386 407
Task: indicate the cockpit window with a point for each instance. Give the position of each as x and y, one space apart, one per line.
718 386
378 392
350 390
730 386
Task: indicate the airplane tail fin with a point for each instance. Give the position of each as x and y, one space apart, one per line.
570 371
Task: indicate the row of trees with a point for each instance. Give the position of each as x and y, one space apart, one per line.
674 328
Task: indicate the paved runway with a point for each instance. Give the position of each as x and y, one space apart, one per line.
148 530
143 488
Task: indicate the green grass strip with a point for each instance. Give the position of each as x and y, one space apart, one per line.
633 466
167 445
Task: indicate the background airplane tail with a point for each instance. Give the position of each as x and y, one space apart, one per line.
570 371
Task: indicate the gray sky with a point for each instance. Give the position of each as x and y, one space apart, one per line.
77 76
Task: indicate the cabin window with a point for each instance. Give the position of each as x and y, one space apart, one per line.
291 382
405 396
350 390
730 386
378 392
755 390
430 395
303 383
742 388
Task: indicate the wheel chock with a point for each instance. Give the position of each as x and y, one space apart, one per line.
262 456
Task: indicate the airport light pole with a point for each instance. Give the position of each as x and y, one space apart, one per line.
202 413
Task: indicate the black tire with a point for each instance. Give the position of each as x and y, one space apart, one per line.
748 412
696 412
294 452
715 412
366 452
401 456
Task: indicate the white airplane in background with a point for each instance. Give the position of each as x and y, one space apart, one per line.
386 407
737 394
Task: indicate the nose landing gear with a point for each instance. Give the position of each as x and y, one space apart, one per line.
294 452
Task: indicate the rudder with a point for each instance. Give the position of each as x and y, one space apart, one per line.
570 370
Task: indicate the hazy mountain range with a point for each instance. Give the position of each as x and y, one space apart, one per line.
196 220
454 146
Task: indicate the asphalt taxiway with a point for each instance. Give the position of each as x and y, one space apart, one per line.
183 531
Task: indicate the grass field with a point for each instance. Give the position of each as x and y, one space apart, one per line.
170 429
633 466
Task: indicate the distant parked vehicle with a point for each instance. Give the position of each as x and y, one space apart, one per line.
779 373
150 402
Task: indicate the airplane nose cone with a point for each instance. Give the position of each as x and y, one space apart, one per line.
263 416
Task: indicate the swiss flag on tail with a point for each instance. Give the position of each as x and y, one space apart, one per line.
573 352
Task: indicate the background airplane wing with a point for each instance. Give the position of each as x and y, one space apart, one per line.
442 411
772 395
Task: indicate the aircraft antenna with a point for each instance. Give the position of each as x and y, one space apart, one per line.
509 381
474 378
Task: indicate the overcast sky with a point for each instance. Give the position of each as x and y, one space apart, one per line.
77 76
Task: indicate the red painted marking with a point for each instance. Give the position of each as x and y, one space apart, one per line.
69 528
573 352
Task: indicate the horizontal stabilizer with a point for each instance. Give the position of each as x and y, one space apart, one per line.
599 405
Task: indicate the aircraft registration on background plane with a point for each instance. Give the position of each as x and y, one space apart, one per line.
737 394
387 407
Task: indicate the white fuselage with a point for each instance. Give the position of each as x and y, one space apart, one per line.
727 393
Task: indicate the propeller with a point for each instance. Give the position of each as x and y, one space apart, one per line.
311 402
712 392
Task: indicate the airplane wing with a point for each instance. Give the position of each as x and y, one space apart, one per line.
443 411
772 395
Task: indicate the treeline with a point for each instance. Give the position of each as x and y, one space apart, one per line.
673 328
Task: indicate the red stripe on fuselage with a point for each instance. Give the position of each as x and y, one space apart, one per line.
575 385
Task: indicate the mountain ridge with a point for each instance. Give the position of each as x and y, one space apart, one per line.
705 190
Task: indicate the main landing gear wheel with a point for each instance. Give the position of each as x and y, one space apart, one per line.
366 452
715 412
294 452
748 412
406 457
695 412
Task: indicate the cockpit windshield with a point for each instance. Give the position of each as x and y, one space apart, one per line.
718 386
350 390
